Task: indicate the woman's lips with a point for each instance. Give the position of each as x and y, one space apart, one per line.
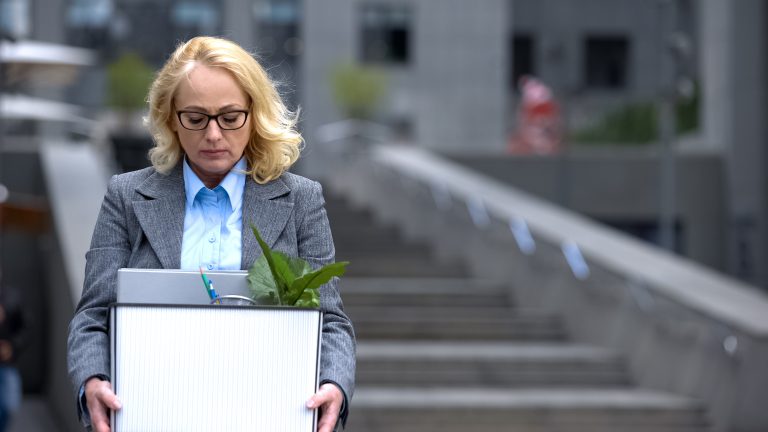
213 153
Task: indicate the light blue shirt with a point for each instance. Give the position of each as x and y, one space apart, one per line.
213 221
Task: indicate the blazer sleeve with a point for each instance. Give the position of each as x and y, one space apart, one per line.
315 243
88 341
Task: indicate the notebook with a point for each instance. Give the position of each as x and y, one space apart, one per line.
162 286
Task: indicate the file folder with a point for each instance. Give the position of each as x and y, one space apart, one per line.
214 367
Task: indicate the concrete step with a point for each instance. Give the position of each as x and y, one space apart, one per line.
448 323
375 234
393 265
338 204
379 250
334 202
390 246
355 253
463 363
343 220
423 292
366 236
522 410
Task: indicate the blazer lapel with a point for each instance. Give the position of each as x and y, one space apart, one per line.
161 214
268 215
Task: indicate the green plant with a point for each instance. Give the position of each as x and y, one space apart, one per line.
128 78
631 124
277 279
357 89
638 123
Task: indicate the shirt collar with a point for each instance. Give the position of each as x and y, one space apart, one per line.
233 183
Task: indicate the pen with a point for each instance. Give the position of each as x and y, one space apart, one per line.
207 284
213 292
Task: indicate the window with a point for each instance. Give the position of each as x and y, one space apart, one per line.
280 44
606 62
195 17
649 231
14 19
91 23
385 34
278 11
147 28
278 31
522 58
89 13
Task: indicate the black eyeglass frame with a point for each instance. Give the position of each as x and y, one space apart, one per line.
212 117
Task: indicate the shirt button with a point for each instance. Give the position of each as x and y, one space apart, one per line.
212 239
210 266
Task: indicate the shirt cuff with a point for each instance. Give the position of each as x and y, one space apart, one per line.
82 408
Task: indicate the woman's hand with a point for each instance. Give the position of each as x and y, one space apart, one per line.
329 399
100 398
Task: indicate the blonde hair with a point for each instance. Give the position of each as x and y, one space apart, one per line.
274 143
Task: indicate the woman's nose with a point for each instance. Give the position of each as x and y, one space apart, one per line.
213 131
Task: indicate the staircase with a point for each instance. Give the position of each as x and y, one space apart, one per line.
439 350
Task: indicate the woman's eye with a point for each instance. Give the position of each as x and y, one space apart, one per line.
233 118
195 119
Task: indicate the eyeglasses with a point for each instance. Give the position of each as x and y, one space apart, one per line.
196 121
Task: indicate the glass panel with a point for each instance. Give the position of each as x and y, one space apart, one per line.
14 18
385 33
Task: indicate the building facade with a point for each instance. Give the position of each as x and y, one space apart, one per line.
444 63
451 68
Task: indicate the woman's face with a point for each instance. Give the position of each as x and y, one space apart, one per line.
212 151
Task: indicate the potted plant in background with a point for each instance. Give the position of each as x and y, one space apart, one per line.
357 90
128 81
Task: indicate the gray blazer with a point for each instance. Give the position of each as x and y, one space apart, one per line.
141 225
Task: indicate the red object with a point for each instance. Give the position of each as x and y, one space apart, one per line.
538 120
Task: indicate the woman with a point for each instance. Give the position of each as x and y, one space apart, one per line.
223 144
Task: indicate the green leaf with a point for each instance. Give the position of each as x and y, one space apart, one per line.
309 299
278 265
314 280
261 283
275 278
298 267
284 268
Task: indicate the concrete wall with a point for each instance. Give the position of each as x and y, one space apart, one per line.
560 28
623 186
450 90
46 18
734 112
238 22
461 67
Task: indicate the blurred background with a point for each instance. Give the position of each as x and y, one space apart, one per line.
556 210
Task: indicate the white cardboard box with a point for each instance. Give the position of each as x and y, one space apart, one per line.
214 368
